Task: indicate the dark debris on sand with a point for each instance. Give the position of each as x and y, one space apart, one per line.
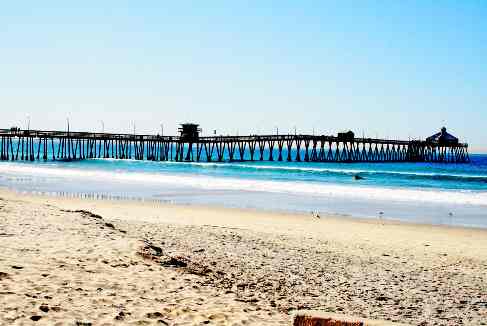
89 214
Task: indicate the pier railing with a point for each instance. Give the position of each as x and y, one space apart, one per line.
33 145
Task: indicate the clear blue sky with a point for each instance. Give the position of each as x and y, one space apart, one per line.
386 68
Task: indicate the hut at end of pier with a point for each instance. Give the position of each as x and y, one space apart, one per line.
443 138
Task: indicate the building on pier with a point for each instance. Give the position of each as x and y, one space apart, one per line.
346 136
189 132
443 138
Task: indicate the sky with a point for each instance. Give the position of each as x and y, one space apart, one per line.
394 69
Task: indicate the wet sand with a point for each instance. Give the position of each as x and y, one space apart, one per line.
67 261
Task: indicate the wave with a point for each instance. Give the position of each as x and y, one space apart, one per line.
314 189
411 175
337 171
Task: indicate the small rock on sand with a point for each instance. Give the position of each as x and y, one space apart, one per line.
175 262
154 315
44 308
120 316
83 323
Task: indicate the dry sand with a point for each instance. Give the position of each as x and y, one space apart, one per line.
77 261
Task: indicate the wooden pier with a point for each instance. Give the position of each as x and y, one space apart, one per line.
189 146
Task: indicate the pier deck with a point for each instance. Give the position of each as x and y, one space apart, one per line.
33 145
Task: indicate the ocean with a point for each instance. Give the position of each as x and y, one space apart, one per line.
448 194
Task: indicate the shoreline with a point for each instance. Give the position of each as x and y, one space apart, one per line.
104 261
364 229
74 197
327 189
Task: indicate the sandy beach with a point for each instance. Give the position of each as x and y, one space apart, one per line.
70 261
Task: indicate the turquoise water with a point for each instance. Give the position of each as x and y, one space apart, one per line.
453 194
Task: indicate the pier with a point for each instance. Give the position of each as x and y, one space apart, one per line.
190 146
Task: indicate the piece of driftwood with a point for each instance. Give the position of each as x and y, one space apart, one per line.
318 318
